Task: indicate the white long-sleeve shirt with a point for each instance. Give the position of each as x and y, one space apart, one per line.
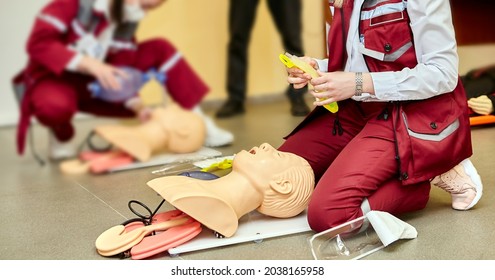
434 41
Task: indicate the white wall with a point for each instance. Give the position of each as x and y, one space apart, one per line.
16 18
474 56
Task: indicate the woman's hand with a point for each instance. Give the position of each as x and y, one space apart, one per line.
106 74
143 113
297 77
336 86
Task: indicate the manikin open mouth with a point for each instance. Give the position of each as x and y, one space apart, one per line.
253 151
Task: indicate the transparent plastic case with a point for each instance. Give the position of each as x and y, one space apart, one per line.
346 242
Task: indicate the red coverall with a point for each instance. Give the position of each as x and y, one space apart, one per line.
53 95
378 155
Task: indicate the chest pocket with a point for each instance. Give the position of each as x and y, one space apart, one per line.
377 42
386 39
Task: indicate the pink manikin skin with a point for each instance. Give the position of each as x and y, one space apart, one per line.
95 162
170 129
274 183
157 218
91 155
163 240
117 239
180 229
102 166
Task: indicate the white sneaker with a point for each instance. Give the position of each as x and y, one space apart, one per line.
60 150
216 136
463 183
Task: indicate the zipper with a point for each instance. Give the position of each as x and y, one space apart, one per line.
402 175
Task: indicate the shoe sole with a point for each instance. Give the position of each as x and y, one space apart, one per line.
473 174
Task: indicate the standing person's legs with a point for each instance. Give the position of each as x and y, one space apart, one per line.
242 14
287 15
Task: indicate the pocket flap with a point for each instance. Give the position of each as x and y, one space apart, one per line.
434 116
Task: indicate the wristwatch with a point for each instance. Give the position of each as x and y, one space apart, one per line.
359 84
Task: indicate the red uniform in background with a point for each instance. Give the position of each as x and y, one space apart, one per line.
53 94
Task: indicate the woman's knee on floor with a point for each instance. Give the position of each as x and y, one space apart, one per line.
323 217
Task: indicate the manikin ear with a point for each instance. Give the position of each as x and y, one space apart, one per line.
282 186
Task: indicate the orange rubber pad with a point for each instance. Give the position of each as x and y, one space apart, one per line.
481 120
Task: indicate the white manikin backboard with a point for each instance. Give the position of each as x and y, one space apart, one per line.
253 227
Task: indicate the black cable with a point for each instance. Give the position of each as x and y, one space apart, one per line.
92 146
145 219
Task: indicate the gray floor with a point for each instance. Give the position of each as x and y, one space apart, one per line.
48 216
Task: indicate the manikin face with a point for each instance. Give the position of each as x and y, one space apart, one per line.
261 163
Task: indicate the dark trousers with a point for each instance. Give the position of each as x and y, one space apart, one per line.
287 17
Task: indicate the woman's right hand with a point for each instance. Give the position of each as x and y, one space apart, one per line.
106 74
297 77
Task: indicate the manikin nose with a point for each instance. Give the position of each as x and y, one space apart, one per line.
266 147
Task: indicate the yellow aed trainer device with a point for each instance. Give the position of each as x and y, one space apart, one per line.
294 61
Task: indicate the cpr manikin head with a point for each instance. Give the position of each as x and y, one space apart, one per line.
275 183
170 129
285 180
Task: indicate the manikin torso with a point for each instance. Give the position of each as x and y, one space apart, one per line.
170 129
255 183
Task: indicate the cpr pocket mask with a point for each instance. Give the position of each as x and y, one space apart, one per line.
360 237
291 61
